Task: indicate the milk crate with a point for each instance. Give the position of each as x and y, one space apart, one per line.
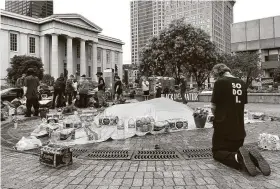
56 156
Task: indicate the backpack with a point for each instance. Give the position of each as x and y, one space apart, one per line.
58 84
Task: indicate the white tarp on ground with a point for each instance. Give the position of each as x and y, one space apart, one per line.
160 109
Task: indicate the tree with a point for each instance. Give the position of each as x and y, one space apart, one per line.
180 49
276 75
245 65
48 79
20 65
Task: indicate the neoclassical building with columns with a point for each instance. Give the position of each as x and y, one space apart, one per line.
64 42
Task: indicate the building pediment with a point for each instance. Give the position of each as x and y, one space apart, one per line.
77 20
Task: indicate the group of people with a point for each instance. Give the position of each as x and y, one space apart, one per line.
159 90
79 90
66 90
228 100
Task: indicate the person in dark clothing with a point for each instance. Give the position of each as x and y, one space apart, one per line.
69 90
31 85
101 89
158 89
228 100
83 89
118 88
183 89
59 89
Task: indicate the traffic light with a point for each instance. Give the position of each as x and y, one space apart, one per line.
116 68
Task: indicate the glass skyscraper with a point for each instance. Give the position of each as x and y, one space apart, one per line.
36 9
148 18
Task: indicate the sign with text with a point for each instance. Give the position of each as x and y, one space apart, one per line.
190 97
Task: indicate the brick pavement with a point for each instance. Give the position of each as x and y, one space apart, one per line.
24 170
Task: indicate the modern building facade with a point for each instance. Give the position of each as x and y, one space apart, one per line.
214 17
63 41
35 9
262 36
146 20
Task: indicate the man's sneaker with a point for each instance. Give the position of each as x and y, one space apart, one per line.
246 162
260 162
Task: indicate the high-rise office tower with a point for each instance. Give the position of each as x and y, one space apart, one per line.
215 17
36 9
149 17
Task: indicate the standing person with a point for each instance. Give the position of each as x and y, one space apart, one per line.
146 88
31 86
75 86
83 88
183 89
228 100
20 84
118 88
59 89
101 89
69 90
158 89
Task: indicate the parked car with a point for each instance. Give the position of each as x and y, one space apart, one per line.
10 94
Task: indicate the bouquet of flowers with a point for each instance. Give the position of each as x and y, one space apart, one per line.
200 116
269 142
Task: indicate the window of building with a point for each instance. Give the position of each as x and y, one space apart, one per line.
65 46
99 55
78 69
13 42
116 57
31 44
90 53
89 71
78 50
108 57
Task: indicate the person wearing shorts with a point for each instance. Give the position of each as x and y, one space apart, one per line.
146 88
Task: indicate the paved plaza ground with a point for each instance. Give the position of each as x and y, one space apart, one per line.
20 170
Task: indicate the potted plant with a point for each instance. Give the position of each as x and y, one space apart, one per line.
200 117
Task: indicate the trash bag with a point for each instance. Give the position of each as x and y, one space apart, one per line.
28 143
21 110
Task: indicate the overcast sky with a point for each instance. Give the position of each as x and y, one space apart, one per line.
113 16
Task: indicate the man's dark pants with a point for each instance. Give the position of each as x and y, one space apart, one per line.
83 100
33 101
183 92
69 97
224 150
57 93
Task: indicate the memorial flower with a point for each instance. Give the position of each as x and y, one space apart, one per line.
200 113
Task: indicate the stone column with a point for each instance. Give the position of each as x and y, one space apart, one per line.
120 65
70 65
54 64
94 61
83 65
43 54
104 62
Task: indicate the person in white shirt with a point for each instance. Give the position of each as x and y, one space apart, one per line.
75 86
146 88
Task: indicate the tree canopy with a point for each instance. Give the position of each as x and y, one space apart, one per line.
245 65
180 49
20 65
